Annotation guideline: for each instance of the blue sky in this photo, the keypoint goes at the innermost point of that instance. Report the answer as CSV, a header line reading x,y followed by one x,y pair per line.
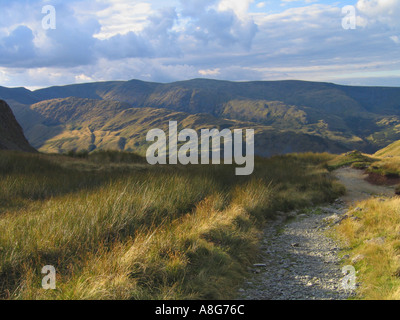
x,y
163,41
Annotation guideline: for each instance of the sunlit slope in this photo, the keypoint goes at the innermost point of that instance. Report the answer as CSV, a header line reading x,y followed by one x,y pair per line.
x,y
362,118
392,150
68,124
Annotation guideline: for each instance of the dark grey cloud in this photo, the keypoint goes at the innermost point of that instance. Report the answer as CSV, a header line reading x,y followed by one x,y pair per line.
x,y
71,44
17,48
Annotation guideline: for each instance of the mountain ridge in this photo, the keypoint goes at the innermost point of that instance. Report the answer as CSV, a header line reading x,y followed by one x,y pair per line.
x,y
365,118
84,124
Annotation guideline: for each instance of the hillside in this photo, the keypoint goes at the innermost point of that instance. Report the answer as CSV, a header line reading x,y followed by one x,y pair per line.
x,y
210,96
60,125
393,150
317,116
11,134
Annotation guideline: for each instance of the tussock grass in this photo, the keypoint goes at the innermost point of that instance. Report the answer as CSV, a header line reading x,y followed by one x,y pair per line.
x,y
356,159
132,231
389,167
374,236
107,156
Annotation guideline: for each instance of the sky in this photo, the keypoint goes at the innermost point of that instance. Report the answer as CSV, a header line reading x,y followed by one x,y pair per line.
x,y
164,41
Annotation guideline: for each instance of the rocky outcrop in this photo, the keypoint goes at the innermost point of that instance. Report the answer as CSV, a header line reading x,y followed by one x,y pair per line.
x,y
11,134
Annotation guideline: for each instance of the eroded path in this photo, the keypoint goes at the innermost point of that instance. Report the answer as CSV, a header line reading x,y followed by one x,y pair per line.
x,y
359,189
298,260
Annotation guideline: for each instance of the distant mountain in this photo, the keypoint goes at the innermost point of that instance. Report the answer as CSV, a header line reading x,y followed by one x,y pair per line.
x,y
210,96
11,134
19,95
60,125
311,116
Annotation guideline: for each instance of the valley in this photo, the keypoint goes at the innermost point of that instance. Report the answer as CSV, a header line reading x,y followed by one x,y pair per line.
x,y
287,116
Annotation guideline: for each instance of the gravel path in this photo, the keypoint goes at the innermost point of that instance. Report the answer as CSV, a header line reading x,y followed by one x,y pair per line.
x,y
299,261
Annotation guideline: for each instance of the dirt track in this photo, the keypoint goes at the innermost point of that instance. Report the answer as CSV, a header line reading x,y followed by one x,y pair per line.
x,y
358,188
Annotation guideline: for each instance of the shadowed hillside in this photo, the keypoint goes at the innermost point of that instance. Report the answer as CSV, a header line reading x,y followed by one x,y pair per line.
x,y
11,134
203,95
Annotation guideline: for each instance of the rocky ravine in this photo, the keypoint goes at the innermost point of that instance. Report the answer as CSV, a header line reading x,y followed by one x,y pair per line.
x,y
298,260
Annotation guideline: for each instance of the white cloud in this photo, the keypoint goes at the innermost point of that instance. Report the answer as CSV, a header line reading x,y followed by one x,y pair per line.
x,y
240,7
395,39
120,17
83,78
380,11
210,72
123,39
261,5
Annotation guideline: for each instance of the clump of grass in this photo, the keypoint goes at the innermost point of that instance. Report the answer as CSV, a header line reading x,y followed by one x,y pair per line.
x,y
373,237
116,157
356,159
107,156
360,165
154,233
389,168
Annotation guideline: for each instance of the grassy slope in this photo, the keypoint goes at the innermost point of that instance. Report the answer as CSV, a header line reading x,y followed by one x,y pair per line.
x,y
354,117
392,150
355,159
384,163
389,161
372,233
83,124
123,230
373,242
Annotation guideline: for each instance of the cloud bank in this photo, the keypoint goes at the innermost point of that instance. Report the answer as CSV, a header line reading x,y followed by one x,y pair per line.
x,y
235,40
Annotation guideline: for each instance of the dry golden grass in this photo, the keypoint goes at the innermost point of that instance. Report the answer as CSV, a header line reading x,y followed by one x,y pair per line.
x,y
387,166
375,237
138,232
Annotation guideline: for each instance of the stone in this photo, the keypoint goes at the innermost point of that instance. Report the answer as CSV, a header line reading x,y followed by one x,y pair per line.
x,y
378,241
357,258
260,265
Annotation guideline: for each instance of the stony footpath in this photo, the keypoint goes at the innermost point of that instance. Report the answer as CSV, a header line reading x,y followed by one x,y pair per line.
x,y
298,260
